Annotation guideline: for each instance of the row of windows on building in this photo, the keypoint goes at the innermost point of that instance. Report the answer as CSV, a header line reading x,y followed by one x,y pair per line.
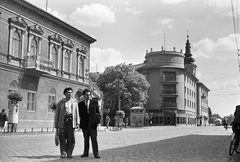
x,y
170,120
171,76
189,91
190,104
31,96
190,81
57,47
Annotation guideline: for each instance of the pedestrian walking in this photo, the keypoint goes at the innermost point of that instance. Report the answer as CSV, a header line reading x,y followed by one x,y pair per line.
x,y
88,110
66,120
236,120
107,121
3,119
126,122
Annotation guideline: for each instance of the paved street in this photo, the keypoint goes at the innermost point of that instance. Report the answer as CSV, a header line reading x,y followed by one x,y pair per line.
x,y
160,144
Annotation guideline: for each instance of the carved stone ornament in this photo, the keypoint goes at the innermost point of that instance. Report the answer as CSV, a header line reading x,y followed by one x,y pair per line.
x,y
9,58
18,21
83,50
68,43
55,38
36,29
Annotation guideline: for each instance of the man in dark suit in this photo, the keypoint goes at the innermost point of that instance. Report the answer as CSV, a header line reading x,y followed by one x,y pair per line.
x,y
88,110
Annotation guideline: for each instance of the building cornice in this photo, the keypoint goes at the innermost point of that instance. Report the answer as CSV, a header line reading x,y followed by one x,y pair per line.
x,y
41,14
203,86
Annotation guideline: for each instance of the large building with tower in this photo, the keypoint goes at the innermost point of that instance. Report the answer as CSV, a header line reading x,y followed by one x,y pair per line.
x,y
40,55
176,96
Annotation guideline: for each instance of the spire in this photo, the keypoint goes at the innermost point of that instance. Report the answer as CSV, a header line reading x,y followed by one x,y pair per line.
x,y
188,55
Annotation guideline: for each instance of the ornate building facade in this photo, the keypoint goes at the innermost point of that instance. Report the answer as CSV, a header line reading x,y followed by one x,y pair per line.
x,y
40,55
176,97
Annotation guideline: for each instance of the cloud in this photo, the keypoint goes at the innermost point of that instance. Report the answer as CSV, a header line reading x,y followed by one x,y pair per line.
x,y
172,1
156,32
219,3
93,15
199,75
223,49
164,21
223,7
101,58
132,11
56,13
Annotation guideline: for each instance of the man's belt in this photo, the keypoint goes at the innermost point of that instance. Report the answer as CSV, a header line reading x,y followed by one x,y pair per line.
x,y
68,117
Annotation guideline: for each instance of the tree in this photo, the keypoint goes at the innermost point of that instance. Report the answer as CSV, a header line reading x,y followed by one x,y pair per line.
x,y
230,119
94,76
211,119
124,81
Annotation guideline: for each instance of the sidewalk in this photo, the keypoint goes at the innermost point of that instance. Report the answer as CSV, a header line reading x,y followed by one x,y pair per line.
x,y
160,144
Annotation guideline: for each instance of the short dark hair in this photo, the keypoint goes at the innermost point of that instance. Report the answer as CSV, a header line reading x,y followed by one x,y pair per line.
x,y
3,110
67,89
238,106
85,91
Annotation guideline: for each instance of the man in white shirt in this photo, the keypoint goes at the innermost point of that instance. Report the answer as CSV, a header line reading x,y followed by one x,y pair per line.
x,y
66,120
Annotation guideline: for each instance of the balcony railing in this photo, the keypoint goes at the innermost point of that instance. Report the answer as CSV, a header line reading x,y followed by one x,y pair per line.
x,y
169,91
39,64
168,79
169,104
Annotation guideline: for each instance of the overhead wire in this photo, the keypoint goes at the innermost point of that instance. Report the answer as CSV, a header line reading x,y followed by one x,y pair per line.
x,y
235,26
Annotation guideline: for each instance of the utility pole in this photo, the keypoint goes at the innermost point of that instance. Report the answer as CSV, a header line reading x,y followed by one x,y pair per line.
x,y
118,95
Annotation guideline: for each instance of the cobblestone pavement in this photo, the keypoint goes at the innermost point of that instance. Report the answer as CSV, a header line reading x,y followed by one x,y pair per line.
x,y
153,144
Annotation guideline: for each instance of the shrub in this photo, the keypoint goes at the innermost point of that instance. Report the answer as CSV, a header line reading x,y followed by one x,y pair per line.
x,y
53,106
120,113
16,96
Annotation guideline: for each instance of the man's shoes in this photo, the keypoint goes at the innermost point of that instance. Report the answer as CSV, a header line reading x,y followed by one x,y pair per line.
x,y
63,155
84,155
97,157
69,156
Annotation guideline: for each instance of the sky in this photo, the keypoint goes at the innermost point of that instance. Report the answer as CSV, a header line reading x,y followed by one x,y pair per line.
x,y
126,29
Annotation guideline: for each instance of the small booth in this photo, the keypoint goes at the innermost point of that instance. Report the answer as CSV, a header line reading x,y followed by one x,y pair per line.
x,y
137,117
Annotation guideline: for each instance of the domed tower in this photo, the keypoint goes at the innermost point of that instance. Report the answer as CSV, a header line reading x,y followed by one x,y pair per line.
x,y
189,60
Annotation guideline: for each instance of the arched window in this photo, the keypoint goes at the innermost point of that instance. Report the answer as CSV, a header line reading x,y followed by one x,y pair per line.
x,y
16,44
34,47
31,98
54,57
67,61
51,98
13,86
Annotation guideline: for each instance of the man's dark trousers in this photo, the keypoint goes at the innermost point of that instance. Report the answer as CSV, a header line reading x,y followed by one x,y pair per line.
x,y
90,133
67,136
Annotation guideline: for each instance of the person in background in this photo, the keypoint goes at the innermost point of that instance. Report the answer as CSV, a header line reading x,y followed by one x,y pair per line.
x,y
225,123
236,121
107,121
126,122
88,109
66,120
3,119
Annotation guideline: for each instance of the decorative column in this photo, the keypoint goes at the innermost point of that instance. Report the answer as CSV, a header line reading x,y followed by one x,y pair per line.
x,y
13,115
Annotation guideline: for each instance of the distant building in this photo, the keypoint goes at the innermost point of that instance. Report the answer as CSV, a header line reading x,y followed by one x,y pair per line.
x,y
176,97
40,55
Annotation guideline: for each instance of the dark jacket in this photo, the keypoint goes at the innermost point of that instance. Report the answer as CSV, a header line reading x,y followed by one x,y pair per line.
x,y
88,118
237,115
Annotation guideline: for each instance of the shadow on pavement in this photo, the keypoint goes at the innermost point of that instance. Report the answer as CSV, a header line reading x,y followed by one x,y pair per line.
x,y
192,148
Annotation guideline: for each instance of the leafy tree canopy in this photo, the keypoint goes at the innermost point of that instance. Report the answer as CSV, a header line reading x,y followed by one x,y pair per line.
x,y
133,88
94,76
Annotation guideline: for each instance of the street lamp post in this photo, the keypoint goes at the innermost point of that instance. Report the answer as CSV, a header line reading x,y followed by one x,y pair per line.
x,y
118,95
